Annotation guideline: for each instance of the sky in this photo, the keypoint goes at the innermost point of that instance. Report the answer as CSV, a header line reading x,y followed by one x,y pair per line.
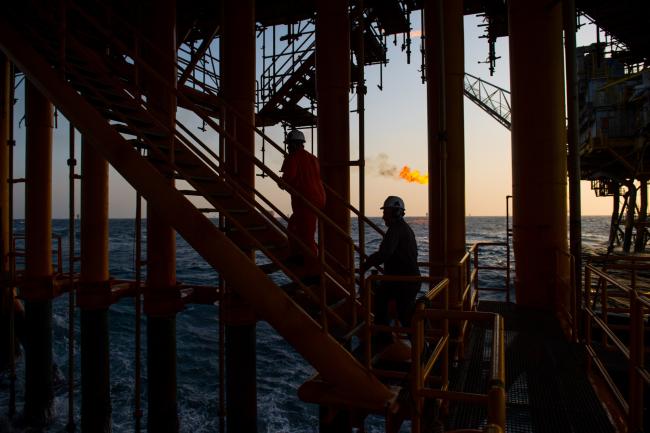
x,y
395,120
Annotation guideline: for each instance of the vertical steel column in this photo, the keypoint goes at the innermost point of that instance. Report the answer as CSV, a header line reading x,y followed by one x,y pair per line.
x,y
629,217
37,289
538,148
613,225
161,299
238,85
6,294
436,134
361,113
575,212
333,135
454,76
95,368
639,244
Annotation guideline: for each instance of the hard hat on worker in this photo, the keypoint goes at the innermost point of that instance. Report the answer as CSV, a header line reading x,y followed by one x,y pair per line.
x,y
393,202
295,136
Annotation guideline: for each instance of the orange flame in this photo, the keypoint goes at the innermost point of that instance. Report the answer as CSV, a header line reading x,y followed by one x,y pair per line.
x,y
413,176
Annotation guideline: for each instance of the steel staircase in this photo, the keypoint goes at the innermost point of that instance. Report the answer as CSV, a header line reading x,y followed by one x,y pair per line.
x,y
290,77
90,88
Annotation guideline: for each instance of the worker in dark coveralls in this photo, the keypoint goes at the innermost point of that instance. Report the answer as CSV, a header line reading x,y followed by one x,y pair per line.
x,y
398,253
301,171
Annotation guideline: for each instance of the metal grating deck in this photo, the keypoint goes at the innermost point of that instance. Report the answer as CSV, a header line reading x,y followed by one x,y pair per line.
x,y
547,388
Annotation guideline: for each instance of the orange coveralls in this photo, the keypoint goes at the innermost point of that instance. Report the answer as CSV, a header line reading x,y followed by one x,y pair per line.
x,y
301,171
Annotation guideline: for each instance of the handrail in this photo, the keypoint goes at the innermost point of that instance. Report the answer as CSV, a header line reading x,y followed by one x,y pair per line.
x,y
438,286
330,191
257,130
494,398
327,271
633,352
15,252
221,130
475,249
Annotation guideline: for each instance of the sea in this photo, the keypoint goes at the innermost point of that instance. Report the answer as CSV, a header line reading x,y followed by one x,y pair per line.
x,y
280,369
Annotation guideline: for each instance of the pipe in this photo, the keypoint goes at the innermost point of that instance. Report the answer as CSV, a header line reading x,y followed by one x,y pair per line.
x,y
454,67
238,86
575,212
361,108
39,391
7,352
95,367
333,134
137,410
72,162
436,134
161,296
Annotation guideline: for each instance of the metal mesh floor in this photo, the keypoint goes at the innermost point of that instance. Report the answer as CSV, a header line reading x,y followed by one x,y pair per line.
x,y
547,388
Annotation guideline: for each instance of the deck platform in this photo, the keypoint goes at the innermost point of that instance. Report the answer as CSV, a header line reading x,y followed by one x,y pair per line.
x,y
546,382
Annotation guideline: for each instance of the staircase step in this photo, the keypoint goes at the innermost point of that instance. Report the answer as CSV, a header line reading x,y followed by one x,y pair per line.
x,y
208,210
126,129
177,162
206,179
248,229
192,192
269,268
110,104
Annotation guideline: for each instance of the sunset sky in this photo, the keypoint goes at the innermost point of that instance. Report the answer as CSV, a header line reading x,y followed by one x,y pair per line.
x,y
395,121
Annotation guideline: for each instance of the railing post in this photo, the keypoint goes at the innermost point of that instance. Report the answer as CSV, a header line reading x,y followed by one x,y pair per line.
x,y
368,307
497,393
417,381
323,285
476,268
604,309
445,335
574,299
353,287
587,308
635,417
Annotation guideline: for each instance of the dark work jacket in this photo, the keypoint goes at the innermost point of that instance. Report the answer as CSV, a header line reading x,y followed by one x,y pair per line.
x,y
398,251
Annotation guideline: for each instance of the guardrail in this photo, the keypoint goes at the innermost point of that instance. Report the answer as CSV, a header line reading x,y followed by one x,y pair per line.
x,y
494,398
475,250
57,252
609,291
437,340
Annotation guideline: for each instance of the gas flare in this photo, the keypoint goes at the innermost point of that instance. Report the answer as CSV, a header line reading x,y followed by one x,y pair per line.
x,y
413,176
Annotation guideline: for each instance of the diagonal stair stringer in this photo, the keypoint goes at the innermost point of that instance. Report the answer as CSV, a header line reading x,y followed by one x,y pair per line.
x,y
335,364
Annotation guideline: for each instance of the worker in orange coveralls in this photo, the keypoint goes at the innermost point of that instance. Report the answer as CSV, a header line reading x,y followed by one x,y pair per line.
x,y
301,171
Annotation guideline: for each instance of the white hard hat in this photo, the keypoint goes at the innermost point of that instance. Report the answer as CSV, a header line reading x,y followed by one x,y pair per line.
x,y
393,202
295,135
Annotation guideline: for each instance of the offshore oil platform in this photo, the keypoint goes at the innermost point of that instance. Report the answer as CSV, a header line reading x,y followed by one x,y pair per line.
x,y
568,355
